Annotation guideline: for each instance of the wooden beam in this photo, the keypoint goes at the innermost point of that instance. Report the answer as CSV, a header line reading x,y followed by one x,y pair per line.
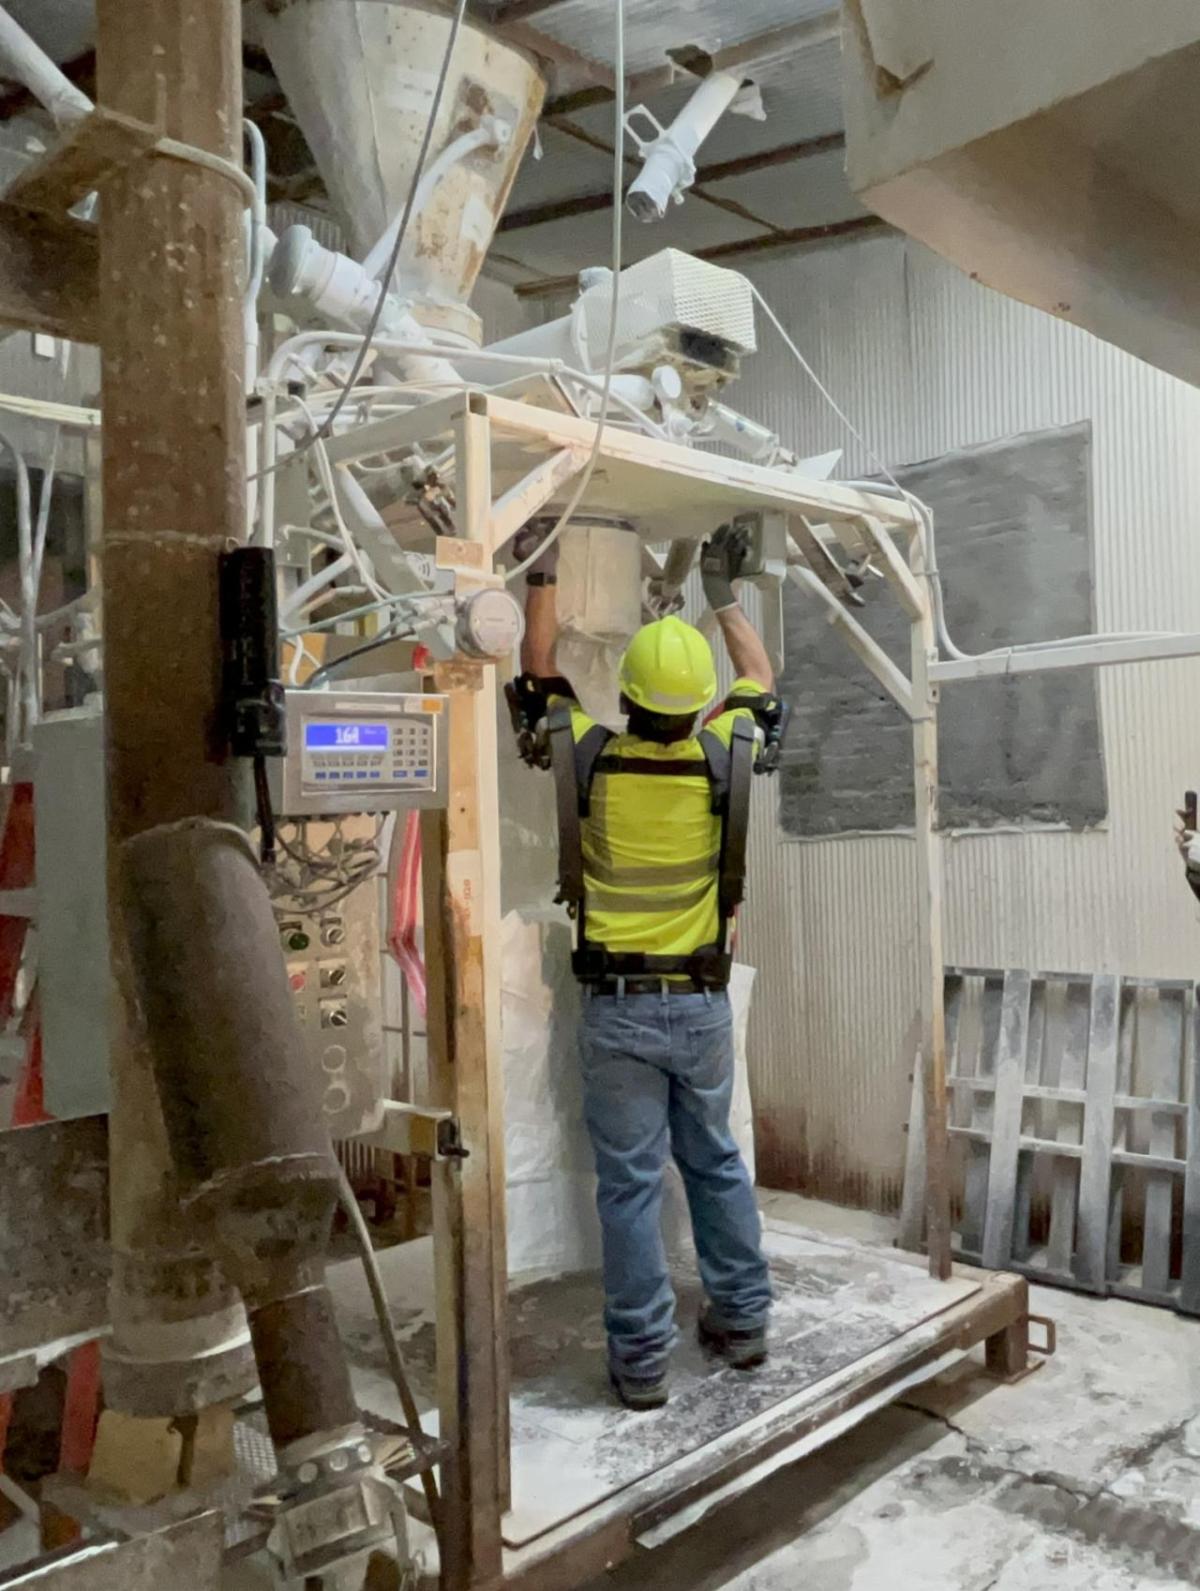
x,y
793,237
81,161
931,968
49,275
859,640
520,10
751,54
603,199
591,1543
780,155
461,865
825,501
720,171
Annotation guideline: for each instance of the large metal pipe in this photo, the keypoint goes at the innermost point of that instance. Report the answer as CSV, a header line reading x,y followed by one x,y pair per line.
x,y
242,1106
205,989
173,468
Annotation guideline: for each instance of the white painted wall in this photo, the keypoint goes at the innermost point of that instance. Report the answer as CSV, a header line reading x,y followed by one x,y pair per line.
x,y
927,361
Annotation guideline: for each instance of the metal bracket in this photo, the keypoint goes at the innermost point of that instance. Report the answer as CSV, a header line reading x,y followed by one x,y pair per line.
x,y
1049,1347
417,1130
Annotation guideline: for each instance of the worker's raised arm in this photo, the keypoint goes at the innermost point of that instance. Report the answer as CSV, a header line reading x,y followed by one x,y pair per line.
x,y
720,564
541,603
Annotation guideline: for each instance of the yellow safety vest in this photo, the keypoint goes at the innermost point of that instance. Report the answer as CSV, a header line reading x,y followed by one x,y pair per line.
x,y
651,844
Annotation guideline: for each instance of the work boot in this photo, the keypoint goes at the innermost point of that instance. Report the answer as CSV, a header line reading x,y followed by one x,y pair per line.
x,y
640,1393
743,1347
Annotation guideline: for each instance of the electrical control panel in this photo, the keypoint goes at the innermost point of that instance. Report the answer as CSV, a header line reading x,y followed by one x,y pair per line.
x,y
361,751
334,967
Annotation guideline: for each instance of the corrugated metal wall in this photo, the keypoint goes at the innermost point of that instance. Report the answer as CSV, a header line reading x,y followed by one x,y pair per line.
x,y
925,361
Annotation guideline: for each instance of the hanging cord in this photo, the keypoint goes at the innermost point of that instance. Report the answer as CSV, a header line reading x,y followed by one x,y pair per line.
x,y
385,280
610,356
391,1347
925,515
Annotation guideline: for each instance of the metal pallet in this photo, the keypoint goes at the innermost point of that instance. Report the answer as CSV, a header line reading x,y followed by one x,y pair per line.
x,y
1074,1120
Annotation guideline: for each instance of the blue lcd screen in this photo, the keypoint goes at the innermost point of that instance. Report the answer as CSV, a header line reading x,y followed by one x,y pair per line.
x,y
317,737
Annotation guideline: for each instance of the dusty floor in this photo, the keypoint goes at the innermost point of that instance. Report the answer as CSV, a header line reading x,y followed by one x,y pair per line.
x,y
1086,1475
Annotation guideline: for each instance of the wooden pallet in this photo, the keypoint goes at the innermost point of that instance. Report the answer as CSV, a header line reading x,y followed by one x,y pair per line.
x,y
1074,1109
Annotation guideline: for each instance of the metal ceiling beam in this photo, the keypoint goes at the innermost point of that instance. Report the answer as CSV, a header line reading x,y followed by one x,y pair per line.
x,y
793,237
572,129
780,155
751,55
520,10
588,203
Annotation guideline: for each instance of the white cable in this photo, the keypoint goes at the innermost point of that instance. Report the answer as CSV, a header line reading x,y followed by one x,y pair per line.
x,y
610,357
325,471
26,670
478,138
367,340
29,64
925,514
313,587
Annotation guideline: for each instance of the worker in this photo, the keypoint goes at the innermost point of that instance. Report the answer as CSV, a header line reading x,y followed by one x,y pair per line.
x,y
1187,838
652,828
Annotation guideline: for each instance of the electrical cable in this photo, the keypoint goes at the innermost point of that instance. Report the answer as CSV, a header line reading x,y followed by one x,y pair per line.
x,y
925,514
372,645
385,281
610,357
353,614
266,813
391,1347
325,471
317,881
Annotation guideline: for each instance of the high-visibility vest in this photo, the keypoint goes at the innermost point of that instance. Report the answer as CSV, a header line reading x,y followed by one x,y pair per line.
x,y
652,845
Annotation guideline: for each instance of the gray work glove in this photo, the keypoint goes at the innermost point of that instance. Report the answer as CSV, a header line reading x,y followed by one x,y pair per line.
x,y
721,561
528,540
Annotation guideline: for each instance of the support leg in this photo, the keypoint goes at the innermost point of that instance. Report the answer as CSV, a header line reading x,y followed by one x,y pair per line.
x,y
931,957
1008,1350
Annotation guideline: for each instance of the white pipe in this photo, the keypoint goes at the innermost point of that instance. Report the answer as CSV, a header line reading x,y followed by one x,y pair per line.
x,y
341,289
29,64
669,166
491,132
751,437
258,265
303,595
27,658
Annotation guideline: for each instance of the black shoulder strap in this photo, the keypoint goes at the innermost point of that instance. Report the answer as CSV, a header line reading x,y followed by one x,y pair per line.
x,y
588,751
735,826
718,761
573,763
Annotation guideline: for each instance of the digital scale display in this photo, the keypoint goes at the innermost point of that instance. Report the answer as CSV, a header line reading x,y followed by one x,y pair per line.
x,y
318,736
362,751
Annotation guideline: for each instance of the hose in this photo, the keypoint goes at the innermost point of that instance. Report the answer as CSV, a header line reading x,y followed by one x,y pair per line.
x,y
391,1344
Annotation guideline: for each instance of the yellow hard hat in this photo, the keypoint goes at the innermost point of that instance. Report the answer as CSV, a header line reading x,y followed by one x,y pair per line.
x,y
668,668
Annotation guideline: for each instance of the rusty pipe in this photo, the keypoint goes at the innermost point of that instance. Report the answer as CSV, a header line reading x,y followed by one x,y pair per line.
x,y
241,1105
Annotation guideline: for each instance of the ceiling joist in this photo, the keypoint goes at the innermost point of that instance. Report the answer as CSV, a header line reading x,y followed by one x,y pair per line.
x,y
719,171
720,253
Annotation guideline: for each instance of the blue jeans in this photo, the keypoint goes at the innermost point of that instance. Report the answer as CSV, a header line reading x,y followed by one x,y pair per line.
x,y
658,1079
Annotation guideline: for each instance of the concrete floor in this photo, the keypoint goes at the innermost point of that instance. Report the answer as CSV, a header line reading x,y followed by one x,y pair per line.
x,y
1085,1475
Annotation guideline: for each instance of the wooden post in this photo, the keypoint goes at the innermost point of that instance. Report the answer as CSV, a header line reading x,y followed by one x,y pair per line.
x,y
461,855
930,953
171,266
